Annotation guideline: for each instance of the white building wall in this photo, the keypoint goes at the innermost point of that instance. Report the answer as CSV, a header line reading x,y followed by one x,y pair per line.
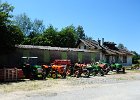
x,y
101,56
81,45
129,61
120,59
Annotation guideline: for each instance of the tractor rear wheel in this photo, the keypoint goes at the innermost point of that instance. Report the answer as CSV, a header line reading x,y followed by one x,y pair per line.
x,y
117,70
102,72
123,70
87,73
94,72
63,75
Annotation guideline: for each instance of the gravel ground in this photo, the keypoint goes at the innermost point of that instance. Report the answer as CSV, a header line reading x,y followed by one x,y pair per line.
x,y
29,90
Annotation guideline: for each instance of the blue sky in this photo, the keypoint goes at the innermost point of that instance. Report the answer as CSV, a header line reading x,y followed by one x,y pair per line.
x,y
115,20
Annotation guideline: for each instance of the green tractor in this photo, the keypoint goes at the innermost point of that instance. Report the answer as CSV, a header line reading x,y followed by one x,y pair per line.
x,y
95,69
31,69
117,67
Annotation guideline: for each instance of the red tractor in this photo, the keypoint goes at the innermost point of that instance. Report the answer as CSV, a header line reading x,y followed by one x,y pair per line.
x,y
60,67
80,69
105,67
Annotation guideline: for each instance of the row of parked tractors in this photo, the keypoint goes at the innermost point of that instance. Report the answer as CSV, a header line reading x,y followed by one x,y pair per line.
x,y
63,68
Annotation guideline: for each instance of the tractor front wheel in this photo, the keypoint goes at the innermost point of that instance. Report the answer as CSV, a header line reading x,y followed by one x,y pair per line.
x,y
54,75
68,73
77,74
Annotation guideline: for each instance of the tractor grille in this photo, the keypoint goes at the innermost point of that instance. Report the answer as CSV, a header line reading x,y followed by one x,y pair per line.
x,y
39,70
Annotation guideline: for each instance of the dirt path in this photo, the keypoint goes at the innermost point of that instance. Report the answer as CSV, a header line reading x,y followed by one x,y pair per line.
x,y
93,88
117,91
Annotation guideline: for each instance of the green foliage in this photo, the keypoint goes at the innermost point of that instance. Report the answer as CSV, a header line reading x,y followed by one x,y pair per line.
x,y
40,40
88,38
24,23
28,26
5,15
36,34
136,57
68,37
80,32
9,34
121,46
51,34
38,26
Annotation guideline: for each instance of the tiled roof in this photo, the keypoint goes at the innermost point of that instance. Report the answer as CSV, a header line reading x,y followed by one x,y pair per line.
x,y
91,44
108,51
116,51
126,51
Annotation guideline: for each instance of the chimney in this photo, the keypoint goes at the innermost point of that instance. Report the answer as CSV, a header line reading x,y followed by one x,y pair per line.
x,y
102,41
99,41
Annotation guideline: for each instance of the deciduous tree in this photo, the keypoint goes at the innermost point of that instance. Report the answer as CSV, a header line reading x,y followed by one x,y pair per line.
x,y
9,34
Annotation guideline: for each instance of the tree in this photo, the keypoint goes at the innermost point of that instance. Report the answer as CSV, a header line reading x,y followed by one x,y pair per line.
x,y
28,26
80,32
31,29
5,10
24,23
135,58
51,34
9,34
121,46
38,26
40,40
68,37
88,38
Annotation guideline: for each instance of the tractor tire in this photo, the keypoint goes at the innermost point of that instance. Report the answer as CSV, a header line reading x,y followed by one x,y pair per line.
x,y
68,73
94,72
102,73
54,75
111,69
123,70
117,70
64,75
77,74
87,73
32,77
106,71
44,75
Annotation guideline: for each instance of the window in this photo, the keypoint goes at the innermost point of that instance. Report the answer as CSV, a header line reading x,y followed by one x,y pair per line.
x,y
107,59
124,59
116,59
85,47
